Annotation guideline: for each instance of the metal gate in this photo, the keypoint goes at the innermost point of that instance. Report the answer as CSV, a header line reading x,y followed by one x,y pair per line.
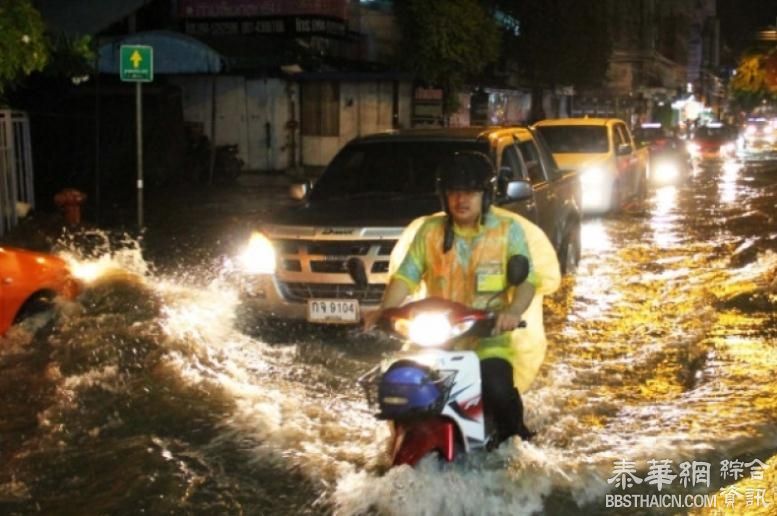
x,y
16,174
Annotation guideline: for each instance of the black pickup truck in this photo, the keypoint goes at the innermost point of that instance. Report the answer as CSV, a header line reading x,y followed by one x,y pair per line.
x,y
296,266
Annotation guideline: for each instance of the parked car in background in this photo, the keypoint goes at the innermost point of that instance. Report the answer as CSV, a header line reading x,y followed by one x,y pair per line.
x,y
714,141
29,282
668,159
295,266
613,169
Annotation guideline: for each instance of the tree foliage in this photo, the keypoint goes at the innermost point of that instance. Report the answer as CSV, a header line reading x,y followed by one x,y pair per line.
x,y
23,45
27,47
755,79
445,43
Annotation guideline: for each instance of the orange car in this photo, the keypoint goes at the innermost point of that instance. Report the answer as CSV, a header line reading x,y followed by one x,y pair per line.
x,y
29,282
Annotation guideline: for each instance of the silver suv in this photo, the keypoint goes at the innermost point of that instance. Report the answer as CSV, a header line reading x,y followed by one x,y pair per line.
x,y
295,265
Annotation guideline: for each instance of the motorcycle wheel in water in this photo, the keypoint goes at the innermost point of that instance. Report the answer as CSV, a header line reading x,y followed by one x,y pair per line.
x,y
430,393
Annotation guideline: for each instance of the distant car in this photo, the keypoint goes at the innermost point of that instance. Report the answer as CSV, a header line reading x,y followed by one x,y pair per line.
x,y
612,168
669,161
712,142
29,282
758,134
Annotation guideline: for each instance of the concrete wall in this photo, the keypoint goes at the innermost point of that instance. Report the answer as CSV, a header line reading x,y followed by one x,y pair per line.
x,y
365,108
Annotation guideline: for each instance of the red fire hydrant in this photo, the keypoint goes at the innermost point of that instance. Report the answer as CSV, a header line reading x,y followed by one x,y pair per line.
x,y
69,201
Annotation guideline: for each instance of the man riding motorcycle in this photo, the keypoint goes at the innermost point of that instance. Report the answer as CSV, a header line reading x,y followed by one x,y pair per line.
x,y
461,255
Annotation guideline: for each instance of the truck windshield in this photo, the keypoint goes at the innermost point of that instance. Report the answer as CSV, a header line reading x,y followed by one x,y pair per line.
x,y
387,169
575,138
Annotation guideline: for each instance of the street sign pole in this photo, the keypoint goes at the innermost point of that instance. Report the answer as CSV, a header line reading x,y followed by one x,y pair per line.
x,y
137,65
139,122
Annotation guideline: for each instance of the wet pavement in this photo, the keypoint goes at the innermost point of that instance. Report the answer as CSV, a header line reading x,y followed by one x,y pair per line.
x,y
143,396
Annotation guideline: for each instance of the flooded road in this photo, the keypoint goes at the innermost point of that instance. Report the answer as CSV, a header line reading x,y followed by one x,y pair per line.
x,y
143,397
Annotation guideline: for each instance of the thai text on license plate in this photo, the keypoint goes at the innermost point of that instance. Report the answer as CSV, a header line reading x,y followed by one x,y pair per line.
x,y
333,310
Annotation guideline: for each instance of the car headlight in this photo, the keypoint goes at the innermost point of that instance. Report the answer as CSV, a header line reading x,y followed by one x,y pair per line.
x,y
666,172
258,256
593,176
692,148
728,148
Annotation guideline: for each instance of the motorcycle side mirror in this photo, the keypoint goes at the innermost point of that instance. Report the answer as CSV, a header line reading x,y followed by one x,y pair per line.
x,y
517,269
356,270
517,272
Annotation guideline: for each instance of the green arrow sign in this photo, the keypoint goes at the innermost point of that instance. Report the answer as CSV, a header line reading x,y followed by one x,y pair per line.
x,y
136,63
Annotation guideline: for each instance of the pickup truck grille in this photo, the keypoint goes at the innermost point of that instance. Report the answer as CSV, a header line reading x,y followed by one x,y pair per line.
x,y
330,257
315,262
330,248
301,292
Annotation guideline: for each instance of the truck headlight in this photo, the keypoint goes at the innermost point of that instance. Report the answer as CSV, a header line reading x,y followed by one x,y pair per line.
x,y
258,256
593,176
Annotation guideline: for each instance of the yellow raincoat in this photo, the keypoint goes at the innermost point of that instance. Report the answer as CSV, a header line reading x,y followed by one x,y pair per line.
x,y
458,275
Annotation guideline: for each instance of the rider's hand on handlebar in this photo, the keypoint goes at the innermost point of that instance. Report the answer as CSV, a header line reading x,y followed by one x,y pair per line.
x,y
370,319
506,321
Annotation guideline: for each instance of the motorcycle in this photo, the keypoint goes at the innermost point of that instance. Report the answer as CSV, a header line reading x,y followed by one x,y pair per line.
x,y
430,392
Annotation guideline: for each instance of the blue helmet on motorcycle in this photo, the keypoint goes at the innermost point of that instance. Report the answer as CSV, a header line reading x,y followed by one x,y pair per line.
x,y
408,389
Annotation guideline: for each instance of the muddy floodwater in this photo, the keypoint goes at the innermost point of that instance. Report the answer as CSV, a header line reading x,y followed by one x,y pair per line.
x,y
144,396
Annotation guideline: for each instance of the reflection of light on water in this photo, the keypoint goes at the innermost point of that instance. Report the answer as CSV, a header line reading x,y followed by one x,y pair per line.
x,y
662,221
728,181
205,315
89,269
595,237
666,199
594,285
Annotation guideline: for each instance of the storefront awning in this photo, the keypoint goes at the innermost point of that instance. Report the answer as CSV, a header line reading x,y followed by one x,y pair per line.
x,y
174,53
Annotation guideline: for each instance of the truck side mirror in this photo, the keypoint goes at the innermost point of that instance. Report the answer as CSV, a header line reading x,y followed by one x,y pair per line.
x,y
519,190
624,149
298,191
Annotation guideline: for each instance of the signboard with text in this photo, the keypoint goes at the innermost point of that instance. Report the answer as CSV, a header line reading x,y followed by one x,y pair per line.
x,y
136,63
290,26
258,8
427,107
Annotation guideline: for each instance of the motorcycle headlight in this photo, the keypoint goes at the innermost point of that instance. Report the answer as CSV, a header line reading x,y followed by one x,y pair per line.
x,y
593,175
693,148
434,329
258,256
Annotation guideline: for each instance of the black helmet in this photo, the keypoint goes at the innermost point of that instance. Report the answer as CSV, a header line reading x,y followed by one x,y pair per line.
x,y
467,170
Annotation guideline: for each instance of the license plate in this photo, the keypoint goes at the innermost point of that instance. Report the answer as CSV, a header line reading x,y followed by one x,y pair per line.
x,y
333,311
